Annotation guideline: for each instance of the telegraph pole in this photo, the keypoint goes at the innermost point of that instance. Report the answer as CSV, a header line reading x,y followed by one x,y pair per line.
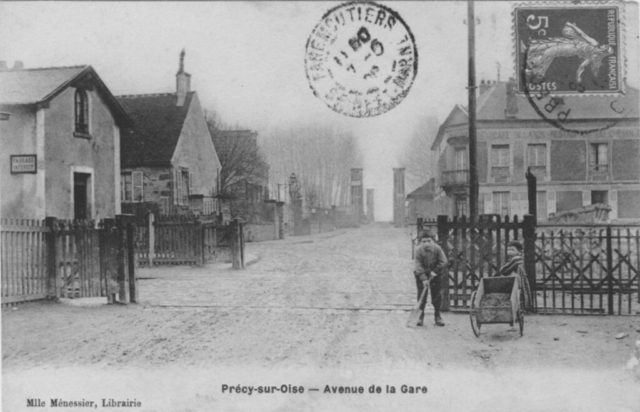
x,y
473,146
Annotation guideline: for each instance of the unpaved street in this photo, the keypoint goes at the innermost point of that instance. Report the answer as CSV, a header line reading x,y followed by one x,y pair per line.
x,y
328,309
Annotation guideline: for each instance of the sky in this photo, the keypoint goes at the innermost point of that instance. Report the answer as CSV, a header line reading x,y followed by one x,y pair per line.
x,y
246,60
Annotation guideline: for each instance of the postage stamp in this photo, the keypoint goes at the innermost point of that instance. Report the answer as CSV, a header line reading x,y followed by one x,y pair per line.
x,y
569,48
361,59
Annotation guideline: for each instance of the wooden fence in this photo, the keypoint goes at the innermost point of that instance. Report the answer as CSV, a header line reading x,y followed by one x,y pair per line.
x,y
187,240
67,259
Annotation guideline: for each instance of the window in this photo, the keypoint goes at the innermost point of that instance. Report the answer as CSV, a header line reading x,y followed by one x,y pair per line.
x,y
81,112
500,160
598,158
185,186
165,205
501,203
541,206
537,158
461,159
599,196
461,206
131,184
182,187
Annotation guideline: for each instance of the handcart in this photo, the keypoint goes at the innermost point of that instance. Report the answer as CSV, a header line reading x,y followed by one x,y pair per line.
x,y
497,300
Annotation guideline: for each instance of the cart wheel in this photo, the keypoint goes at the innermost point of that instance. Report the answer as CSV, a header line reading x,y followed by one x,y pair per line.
x,y
521,321
475,325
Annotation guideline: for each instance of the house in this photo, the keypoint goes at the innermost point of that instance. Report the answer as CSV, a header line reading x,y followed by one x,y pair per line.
x,y
420,202
60,139
244,179
592,159
168,161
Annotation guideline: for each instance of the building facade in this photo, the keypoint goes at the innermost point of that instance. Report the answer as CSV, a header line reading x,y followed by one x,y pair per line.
x,y
60,138
169,163
591,156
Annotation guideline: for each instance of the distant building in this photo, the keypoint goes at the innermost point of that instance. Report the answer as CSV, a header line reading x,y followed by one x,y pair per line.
x,y
420,202
60,138
572,169
169,163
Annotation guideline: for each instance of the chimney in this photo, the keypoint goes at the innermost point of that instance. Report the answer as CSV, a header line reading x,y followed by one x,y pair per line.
x,y
484,86
3,65
512,99
183,81
18,65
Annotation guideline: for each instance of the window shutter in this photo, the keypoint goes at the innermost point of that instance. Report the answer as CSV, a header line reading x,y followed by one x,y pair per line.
x,y
122,198
488,203
178,186
602,154
190,183
592,154
137,183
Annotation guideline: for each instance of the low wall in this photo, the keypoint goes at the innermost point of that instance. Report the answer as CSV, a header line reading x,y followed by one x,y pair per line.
x,y
259,233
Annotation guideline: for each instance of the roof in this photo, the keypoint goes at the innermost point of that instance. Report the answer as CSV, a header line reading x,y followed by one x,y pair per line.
x,y
491,107
158,124
426,190
34,86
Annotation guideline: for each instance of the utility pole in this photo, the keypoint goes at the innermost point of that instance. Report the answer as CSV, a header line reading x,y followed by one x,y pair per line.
x,y
473,147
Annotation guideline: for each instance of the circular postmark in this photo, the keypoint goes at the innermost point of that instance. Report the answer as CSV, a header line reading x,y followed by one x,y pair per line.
x,y
361,59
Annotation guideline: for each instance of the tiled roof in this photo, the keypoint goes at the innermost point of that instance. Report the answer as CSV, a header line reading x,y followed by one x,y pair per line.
x,y
158,123
35,85
491,106
582,107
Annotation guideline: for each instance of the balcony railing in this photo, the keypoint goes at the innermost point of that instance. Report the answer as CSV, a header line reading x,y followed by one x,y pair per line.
x,y
455,177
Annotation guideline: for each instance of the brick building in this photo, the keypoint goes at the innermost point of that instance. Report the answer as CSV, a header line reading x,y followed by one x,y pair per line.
x,y
599,165
169,163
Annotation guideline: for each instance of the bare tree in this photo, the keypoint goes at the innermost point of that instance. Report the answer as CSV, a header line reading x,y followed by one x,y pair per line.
x,y
417,153
241,161
320,156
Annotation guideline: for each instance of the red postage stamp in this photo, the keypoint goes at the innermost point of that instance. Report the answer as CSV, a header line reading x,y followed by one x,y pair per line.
x,y
569,48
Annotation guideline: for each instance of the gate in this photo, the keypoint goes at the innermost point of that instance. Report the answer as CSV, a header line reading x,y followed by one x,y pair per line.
x,y
185,240
588,269
67,259
476,248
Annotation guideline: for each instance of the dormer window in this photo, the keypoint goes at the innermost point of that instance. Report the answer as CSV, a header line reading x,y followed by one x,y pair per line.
x,y
81,113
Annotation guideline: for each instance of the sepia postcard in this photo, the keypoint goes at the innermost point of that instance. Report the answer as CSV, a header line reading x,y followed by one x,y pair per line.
x,y
320,205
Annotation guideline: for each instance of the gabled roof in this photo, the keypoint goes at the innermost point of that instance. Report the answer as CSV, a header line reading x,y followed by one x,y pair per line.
x,y
491,107
40,86
158,124
426,190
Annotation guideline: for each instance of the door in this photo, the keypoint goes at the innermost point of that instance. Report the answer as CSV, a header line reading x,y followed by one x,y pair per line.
x,y
81,203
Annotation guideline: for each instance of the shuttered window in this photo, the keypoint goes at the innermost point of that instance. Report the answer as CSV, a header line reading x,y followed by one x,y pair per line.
x,y
132,186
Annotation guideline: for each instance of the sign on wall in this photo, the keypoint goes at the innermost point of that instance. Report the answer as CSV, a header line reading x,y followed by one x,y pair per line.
x,y
24,164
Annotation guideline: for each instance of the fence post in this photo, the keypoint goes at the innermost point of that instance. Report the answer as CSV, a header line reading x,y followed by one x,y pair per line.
x,y
151,241
52,259
241,244
131,261
609,272
109,251
443,240
199,249
235,244
123,286
529,234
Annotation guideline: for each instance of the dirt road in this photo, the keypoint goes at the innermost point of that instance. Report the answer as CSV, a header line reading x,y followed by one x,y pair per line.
x,y
317,311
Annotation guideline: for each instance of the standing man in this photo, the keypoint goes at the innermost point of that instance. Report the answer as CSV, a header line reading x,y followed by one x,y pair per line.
x,y
430,264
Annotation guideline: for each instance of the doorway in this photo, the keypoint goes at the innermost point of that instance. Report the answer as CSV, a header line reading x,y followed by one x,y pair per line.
x,y
81,197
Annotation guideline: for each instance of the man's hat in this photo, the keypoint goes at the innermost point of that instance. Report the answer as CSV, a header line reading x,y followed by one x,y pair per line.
x,y
427,233
516,244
